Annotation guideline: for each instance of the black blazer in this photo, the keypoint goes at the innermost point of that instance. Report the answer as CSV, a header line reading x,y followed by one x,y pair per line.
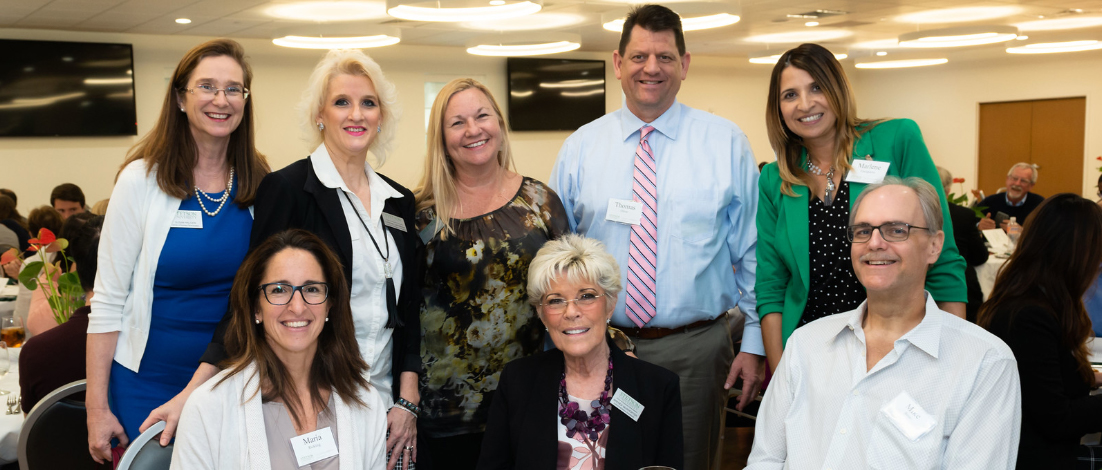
x,y
971,248
294,198
521,430
1057,408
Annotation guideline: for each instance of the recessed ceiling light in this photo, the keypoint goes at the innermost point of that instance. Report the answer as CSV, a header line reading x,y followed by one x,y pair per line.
x,y
328,11
694,16
517,44
772,58
497,2
1054,47
531,22
336,36
443,11
896,64
817,35
183,20
879,44
1061,23
959,15
811,23
958,37
881,53
1022,38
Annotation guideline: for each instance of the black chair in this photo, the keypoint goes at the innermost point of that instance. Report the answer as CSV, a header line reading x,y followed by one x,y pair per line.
x,y
146,453
55,433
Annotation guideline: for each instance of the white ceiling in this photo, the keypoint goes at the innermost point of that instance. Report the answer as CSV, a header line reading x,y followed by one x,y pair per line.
x,y
865,20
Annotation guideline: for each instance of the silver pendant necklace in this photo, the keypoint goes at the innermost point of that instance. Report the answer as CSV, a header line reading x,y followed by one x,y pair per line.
x,y
814,169
200,194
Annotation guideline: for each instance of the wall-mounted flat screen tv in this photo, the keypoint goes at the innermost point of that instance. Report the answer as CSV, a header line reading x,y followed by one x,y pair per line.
x,y
555,94
50,88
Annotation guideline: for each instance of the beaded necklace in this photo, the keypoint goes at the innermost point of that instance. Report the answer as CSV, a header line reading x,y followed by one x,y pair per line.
x,y
814,169
221,201
576,420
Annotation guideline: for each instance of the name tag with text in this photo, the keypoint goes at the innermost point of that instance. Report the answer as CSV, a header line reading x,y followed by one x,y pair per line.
x,y
187,219
908,416
624,211
868,171
314,446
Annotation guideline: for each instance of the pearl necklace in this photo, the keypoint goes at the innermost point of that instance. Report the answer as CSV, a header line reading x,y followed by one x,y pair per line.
x,y
199,195
814,169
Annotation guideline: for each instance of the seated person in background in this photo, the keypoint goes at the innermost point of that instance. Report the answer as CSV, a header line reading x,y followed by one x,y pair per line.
x,y
44,217
10,218
33,306
969,244
295,371
100,208
15,200
1017,201
68,199
573,282
905,385
1037,308
56,357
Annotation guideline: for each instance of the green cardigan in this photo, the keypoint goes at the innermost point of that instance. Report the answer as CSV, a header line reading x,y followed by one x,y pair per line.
x,y
783,251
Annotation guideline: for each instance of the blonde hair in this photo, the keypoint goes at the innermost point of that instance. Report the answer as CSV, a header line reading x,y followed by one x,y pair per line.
x,y
437,187
828,74
350,62
576,259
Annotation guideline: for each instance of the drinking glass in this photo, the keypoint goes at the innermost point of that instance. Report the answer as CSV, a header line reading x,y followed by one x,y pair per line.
x,y
12,331
5,364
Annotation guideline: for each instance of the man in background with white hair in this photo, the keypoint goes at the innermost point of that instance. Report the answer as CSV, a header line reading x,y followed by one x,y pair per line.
x,y
1017,201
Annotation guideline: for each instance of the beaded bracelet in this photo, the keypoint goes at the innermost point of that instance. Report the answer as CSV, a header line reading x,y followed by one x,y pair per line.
x,y
403,409
409,406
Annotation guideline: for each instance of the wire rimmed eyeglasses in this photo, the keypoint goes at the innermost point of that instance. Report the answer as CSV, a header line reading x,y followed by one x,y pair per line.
x,y
279,293
210,91
891,231
557,305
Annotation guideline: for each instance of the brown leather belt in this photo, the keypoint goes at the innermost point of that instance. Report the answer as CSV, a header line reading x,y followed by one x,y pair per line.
x,y
656,333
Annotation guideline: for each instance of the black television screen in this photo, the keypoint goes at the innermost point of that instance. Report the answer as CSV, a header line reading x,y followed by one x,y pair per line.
x,y
555,94
51,88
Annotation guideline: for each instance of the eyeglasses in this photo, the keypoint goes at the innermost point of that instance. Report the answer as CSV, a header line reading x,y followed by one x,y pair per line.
x,y
278,293
891,231
210,91
557,305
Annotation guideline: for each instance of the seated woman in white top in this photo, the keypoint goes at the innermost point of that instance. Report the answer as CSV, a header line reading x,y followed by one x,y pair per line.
x,y
295,393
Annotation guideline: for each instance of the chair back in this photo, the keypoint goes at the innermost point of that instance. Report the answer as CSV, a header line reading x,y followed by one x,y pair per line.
x,y
146,453
55,433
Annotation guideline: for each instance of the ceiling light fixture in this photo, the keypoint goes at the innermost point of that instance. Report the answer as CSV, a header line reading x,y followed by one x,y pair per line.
x,y
528,23
1022,38
896,64
1055,47
959,15
958,37
799,37
183,21
328,11
337,37
514,45
497,2
881,53
1074,22
771,57
695,16
811,23
458,11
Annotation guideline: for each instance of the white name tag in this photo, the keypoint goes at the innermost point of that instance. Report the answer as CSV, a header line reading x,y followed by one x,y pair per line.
x,y
314,446
908,416
393,221
624,402
624,211
188,219
868,172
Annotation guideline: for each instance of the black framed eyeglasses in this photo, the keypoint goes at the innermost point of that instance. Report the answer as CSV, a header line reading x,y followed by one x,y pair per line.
x,y
557,305
891,231
279,293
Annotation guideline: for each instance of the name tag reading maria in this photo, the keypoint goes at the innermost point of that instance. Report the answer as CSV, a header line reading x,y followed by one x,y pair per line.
x,y
908,416
187,219
868,171
314,446
624,211
624,402
393,221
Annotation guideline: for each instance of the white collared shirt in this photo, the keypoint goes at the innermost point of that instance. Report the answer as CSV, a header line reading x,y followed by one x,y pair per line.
x,y
823,409
368,297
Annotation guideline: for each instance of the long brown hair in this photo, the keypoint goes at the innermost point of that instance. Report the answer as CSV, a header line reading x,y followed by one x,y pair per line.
x,y
337,364
828,74
171,148
1056,261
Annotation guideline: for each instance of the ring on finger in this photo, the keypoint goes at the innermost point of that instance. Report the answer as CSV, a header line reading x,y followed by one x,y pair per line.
x,y
409,447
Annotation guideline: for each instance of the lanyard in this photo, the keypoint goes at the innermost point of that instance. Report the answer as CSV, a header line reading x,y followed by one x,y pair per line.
x,y
391,296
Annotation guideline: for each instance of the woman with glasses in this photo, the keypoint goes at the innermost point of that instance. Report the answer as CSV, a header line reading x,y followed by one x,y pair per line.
x,y
825,157
297,376
175,233
613,411
481,223
1036,307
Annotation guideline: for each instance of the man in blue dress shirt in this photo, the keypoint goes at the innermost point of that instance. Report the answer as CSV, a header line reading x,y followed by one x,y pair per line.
x,y
672,192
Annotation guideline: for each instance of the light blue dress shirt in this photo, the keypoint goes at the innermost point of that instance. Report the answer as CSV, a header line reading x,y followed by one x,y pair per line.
x,y
707,205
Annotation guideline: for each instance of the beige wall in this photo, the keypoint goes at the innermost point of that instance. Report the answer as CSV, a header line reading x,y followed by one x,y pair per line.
x,y
944,100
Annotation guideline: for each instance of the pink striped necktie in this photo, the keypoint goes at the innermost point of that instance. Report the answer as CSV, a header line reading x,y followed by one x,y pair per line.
x,y
643,251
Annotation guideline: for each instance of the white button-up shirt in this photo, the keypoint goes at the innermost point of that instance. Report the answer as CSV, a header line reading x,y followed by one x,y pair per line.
x,y
368,297
824,410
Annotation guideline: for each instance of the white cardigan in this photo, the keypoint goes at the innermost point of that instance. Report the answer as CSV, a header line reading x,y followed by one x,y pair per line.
x,y
223,428
134,231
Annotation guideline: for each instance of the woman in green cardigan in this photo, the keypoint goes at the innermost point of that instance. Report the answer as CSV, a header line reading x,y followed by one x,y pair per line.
x,y
804,266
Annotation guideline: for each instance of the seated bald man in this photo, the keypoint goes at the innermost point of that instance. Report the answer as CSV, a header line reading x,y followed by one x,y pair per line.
x,y
895,383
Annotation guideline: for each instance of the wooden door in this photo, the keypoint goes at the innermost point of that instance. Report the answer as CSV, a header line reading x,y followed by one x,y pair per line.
x,y
1047,133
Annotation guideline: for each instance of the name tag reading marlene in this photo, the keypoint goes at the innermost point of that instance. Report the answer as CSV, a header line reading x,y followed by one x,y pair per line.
x,y
624,211
187,219
624,402
314,446
393,221
908,416
868,171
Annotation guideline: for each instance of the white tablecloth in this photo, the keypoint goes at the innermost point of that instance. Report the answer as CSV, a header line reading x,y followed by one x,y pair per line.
x,y
10,425
987,272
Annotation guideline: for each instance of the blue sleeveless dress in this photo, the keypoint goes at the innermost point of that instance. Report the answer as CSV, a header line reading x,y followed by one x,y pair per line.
x,y
190,294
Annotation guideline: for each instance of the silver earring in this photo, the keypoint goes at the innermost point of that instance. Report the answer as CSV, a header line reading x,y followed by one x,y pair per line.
x,y
609,321
257,320
326,319
378,128
182,110
321,127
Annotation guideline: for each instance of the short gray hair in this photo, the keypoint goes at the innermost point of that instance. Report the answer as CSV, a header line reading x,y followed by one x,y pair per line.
x,y
946,179
1032,179
575,258
927,198
350,62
